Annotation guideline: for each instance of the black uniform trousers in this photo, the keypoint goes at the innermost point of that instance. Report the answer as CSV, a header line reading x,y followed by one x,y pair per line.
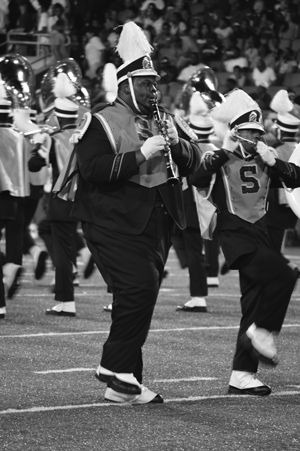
x,y
212,251
267,283
132,266
63,237
196,261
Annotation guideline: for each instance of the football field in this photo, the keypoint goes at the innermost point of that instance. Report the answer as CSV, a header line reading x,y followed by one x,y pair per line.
x,y
50,399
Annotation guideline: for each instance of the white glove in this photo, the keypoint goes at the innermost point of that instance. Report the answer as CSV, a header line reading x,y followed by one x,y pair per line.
x,y
172,133
44,140
230,143
152,145
266,154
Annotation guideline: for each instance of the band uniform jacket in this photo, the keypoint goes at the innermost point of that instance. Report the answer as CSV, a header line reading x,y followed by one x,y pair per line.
x,y
279,214
58,210
112,190
240,194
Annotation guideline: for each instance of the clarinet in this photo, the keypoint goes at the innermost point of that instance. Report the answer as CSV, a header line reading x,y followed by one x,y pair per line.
x,y
172,180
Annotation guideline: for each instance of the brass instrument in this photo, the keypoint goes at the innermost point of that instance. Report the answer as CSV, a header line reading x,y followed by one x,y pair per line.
x,y
204,81
162,129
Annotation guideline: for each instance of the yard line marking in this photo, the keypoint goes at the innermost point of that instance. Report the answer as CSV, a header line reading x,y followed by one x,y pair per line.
x,y
166,381
93,332
107,404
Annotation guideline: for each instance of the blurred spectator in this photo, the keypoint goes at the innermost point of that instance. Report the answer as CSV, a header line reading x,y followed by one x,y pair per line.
x,y
223,30
111,19
178,6
151,16
214,11
178,26
233,57
27,20
195,63
231,84
13,14
188,46
261,96
166,71
242,32
94,52
262,74
58,41
265,53
167,45
251,50
239,76
208,42
265,31
58,13
128,13
285,65
288,32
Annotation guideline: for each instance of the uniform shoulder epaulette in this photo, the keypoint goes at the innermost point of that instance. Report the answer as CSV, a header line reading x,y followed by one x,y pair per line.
x,y
81,128
100,106
185,127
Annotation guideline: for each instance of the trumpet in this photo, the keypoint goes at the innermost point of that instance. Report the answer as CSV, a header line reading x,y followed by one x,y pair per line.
x,y
172,180
49,130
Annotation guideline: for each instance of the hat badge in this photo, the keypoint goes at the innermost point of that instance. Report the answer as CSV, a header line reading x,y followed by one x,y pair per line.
x,y
253,116
147,62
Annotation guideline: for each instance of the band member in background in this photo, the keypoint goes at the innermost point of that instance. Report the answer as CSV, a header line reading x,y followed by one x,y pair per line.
x,y
244,167
63,226
13,187
280,216
202,125
128,209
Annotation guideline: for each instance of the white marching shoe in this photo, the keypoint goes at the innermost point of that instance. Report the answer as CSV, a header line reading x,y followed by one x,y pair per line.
x,y
261,343
246,383
63,309
145,397
196,304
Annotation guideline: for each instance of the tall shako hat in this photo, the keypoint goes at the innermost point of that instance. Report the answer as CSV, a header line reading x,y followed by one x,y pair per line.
x,y
134,49
239,111
282,105
5,103
64,88
199,119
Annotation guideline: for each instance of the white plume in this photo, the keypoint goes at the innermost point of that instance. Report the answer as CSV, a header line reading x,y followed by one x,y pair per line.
x,y
110,82
281,102
236,103
133,43
197,104
63,86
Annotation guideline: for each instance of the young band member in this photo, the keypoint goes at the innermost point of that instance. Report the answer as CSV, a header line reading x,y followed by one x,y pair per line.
x,y
244,169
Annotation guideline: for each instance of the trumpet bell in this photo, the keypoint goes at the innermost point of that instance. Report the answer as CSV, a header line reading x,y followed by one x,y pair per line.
x,y
19,79
205,81
293,197
70,67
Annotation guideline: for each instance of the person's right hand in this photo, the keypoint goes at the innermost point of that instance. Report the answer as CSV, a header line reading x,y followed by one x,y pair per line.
x,y
152,145
230,143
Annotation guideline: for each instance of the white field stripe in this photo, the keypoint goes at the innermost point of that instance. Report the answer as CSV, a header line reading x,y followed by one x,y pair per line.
x,y
107,404
212,294
97,332
165,381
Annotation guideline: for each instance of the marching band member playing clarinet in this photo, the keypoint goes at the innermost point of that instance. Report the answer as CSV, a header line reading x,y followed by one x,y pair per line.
x,y
127,209
244,168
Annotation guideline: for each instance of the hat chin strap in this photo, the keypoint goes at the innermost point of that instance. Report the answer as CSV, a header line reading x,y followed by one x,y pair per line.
x,y
132,91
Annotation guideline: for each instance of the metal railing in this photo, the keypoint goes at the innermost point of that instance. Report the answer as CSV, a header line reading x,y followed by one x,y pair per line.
x,y
35,46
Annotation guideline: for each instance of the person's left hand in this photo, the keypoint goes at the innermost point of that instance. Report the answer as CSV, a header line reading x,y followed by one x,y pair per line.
x,y
172,133
266,154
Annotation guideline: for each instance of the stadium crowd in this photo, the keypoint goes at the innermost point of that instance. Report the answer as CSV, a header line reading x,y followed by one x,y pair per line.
x,y
253,44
